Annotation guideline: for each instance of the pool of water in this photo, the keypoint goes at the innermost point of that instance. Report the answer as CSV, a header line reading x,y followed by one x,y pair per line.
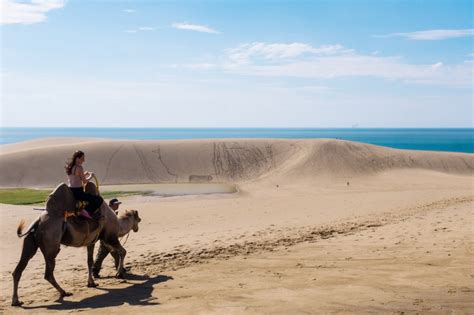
x,y
168,190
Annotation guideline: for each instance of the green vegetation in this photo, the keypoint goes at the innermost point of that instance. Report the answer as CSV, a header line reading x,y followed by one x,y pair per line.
x,y
25,196
22,196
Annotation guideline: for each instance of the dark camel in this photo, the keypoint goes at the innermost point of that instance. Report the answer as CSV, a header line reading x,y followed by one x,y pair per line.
x,y
51,230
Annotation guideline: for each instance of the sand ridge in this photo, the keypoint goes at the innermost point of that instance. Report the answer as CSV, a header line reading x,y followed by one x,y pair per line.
x,y
41,163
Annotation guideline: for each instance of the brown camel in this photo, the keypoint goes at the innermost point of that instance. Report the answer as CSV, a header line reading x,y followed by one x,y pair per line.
x,y
51,229
127,221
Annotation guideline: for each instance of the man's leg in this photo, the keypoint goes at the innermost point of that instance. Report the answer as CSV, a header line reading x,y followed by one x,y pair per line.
x,y
101,254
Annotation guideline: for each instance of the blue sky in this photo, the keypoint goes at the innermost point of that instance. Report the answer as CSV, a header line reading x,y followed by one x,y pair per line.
x,y
236,63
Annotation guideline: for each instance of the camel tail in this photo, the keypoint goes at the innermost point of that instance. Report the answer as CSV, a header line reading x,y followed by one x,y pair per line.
x,y
21,226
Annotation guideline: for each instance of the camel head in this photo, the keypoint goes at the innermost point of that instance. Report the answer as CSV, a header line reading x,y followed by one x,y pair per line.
x,y
136,219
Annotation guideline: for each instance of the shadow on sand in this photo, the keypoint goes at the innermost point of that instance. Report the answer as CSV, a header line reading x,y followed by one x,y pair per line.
x,y
136,294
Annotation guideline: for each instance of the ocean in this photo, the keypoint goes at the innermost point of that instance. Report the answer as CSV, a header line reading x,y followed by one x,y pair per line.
x,y
453,140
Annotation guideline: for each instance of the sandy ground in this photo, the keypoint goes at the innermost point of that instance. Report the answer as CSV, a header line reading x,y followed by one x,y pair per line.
x,y
399,240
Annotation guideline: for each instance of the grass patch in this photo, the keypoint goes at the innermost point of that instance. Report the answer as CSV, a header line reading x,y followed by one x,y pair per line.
x,y
25,196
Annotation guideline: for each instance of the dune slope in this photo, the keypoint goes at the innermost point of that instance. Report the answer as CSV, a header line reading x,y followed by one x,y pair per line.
x,y
40,163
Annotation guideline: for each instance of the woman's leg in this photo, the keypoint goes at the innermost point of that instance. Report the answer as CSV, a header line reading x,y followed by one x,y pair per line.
x,y
78,193
94,202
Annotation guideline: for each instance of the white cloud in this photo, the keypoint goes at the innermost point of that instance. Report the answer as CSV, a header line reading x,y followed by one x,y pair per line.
x,y
34,11
312,89
432,34
243,103
129,10
141,29
202,66
361,65
332,61
195,27
272,52
194,66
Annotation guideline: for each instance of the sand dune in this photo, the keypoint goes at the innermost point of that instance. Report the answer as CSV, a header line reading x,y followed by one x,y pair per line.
x,y
40,162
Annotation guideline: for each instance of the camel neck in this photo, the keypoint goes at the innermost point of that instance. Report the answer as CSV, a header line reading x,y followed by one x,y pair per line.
x,y
125,225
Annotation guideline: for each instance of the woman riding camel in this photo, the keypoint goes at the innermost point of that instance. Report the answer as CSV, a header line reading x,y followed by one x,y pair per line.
x,y
76,179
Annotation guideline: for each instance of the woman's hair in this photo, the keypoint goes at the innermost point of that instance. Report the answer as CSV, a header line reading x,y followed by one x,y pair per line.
x,y
70,164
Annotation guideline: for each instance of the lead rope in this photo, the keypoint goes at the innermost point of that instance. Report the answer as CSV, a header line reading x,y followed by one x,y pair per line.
x,y
96,183
126,239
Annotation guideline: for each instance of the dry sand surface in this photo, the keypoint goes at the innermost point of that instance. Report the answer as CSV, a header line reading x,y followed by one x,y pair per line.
x,y
317,226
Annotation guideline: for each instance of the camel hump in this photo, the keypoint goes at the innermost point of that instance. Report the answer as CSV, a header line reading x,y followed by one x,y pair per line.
x,y
60,200
91,188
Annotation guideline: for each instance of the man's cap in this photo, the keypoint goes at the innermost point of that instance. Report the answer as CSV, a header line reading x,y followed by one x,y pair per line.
x,y
114,201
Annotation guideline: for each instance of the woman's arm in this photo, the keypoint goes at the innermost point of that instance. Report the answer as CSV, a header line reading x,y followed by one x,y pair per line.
x,y
88,175
82,175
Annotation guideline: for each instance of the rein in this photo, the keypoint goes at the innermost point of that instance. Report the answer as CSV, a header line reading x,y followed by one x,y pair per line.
x,y
126,236
96,183
126,239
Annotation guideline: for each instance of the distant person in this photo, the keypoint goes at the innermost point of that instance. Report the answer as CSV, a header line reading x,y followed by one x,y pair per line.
x,y
114,204
76,179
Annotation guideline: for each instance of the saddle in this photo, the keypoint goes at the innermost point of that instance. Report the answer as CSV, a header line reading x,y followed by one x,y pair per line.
x,y
80,206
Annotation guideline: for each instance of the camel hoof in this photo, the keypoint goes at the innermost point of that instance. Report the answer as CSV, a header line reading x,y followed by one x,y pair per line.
x,y
92,285
17,303
120,275
123,270
66,294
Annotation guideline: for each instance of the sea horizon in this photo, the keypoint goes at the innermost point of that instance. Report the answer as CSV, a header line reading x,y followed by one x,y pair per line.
x,y
431,139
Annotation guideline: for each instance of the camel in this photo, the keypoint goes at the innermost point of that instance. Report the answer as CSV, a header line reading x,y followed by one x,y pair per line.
x,y
52,229
127,221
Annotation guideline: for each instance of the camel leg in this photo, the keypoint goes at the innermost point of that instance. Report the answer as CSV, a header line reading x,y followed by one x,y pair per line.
x,y
116,249
117,261
101,254
120,268
90,262
50,260
29,250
